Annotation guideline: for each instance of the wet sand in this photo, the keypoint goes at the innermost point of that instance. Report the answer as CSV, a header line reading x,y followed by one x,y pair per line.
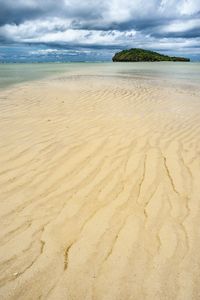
x,y
100,190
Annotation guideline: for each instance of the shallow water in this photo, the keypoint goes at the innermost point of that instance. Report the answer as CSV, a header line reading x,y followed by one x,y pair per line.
x,y
183,72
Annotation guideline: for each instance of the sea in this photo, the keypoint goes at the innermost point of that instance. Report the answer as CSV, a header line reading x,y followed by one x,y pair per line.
x,y
182,72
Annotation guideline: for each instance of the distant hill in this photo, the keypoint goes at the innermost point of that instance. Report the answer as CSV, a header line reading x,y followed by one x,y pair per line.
x,y
135,54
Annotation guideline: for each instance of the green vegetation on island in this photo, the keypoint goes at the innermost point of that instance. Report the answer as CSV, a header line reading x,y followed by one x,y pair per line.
x,y
135,54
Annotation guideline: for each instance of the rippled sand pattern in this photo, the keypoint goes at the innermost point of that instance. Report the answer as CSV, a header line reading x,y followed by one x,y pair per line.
x,y
100,190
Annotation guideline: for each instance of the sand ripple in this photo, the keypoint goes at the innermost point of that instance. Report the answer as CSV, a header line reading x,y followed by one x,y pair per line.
x,y
100,190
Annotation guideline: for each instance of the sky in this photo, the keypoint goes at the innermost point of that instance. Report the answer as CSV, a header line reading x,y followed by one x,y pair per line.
x,y
75,30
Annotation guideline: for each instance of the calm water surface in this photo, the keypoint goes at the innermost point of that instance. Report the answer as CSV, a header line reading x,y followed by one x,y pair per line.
x,y
183,72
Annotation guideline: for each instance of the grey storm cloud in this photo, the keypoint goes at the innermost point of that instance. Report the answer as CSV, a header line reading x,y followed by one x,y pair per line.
x,y
12,11
114,23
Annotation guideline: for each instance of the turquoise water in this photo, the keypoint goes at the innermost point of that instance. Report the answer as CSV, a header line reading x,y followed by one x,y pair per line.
x,y
184,72
17,73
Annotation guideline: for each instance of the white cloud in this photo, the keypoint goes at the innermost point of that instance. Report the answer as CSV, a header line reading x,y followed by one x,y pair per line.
x,y
59,31
189,7
181,26
120,23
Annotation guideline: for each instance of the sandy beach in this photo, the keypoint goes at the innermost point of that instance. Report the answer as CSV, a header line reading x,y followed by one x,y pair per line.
x,y
100,190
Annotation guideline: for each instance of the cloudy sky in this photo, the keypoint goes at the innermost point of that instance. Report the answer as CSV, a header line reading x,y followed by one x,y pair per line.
x,y
95,29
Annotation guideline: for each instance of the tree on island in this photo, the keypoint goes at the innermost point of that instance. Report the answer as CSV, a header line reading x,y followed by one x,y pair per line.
x,y
136,55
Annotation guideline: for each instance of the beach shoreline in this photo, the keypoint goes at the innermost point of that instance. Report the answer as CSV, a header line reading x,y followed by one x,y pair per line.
x,y
100,188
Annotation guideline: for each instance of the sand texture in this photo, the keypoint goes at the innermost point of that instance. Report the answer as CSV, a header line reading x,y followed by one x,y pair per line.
x,y
100,190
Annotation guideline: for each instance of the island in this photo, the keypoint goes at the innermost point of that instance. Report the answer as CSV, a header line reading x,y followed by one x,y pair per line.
x,y
138,55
